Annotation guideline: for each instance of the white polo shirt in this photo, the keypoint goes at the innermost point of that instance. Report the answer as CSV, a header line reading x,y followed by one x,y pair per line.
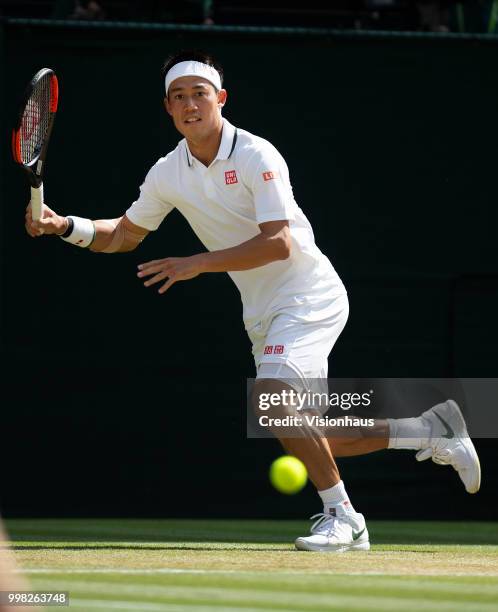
x,y
245,185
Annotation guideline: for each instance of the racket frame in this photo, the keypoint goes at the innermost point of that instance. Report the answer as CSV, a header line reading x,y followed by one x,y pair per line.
x,y
34,168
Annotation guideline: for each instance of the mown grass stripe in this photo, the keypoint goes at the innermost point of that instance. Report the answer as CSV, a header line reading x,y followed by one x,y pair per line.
x,y
102,605
342,603
201,572
391,593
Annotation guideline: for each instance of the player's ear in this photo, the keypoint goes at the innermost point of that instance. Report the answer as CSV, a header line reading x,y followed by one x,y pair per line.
x,y
167,105
222,97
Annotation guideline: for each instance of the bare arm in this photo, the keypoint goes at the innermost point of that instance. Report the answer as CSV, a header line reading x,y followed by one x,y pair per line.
x,y
273,243
118,235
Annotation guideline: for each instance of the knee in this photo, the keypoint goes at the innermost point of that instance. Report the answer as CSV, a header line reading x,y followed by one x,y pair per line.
x,y
271,397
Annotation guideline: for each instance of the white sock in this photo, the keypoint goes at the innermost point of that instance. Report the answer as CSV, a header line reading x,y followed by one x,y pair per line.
x,y
335,496
413,433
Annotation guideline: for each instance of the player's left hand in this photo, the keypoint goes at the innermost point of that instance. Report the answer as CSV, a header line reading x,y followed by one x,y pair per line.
x,y
173,268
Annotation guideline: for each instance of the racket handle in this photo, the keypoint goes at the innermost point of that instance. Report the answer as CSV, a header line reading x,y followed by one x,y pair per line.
x,y
36,202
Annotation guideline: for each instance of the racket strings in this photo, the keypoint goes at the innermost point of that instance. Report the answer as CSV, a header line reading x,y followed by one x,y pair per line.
x,y
36,120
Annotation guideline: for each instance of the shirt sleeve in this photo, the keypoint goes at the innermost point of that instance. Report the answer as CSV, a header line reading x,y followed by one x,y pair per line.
x,y
268,179
151,208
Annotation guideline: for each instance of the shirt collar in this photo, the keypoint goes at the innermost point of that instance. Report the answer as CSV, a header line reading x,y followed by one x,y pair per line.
x,y
228,140
227,144
190,157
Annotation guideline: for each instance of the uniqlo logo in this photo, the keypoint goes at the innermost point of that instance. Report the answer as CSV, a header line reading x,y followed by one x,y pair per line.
x,y
230,177
269,349
279,349
268,176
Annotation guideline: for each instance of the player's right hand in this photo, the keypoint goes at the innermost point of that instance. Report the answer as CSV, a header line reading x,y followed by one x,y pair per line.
x,y
50,223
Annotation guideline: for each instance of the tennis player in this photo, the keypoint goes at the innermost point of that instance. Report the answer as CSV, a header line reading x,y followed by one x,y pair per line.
x,y
234,190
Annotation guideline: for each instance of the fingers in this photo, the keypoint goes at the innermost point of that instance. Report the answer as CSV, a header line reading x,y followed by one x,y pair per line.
x,y
51,225
159,277
33,228
146,267
153,267
34,233
45,210
155,279
161,269
173,268
167,285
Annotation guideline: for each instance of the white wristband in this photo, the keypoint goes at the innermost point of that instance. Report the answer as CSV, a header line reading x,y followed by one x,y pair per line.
x,y
83,232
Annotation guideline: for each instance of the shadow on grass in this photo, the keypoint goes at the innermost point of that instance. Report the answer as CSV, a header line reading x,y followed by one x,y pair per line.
x,y
237,547
83,547
236,533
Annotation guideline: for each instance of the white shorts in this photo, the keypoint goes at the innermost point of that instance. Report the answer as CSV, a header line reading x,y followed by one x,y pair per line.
x,y
290,343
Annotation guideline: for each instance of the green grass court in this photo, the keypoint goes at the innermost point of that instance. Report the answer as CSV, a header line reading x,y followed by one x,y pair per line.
x,y
190,565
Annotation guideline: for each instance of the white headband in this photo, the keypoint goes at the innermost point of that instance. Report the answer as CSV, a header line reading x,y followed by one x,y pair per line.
x,y
192,68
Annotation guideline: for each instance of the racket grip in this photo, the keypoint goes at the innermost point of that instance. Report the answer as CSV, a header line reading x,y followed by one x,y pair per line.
x,y
36,202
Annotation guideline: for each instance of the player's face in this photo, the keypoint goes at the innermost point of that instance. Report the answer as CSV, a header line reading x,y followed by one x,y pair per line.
x,y
195,106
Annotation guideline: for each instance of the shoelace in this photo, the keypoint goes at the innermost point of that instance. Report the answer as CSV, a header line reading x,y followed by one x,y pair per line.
x,y
443,457
440,456
319,526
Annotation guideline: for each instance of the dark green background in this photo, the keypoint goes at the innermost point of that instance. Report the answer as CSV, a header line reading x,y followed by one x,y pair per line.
x,y
119,402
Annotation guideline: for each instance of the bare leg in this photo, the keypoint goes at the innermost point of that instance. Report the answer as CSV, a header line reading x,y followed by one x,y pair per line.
x,y
349,447
314,451
316,454
377,438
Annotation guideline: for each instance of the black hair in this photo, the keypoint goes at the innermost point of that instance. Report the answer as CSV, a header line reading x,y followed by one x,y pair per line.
x,y
195,55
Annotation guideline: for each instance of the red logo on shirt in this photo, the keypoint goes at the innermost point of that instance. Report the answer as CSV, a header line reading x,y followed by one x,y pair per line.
x,y
230,177
268,176
268,349
279,349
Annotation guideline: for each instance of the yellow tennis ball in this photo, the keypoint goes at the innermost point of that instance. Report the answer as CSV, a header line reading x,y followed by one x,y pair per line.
x,y
288,474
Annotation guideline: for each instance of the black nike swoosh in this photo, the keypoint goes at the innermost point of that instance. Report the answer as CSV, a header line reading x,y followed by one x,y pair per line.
x,y
357,534
449,431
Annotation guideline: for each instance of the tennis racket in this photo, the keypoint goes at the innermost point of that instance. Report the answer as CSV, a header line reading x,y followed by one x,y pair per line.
x,y
31,135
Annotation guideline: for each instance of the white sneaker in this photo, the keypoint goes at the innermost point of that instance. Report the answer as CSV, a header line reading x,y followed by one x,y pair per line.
x,y
336,532
450,444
